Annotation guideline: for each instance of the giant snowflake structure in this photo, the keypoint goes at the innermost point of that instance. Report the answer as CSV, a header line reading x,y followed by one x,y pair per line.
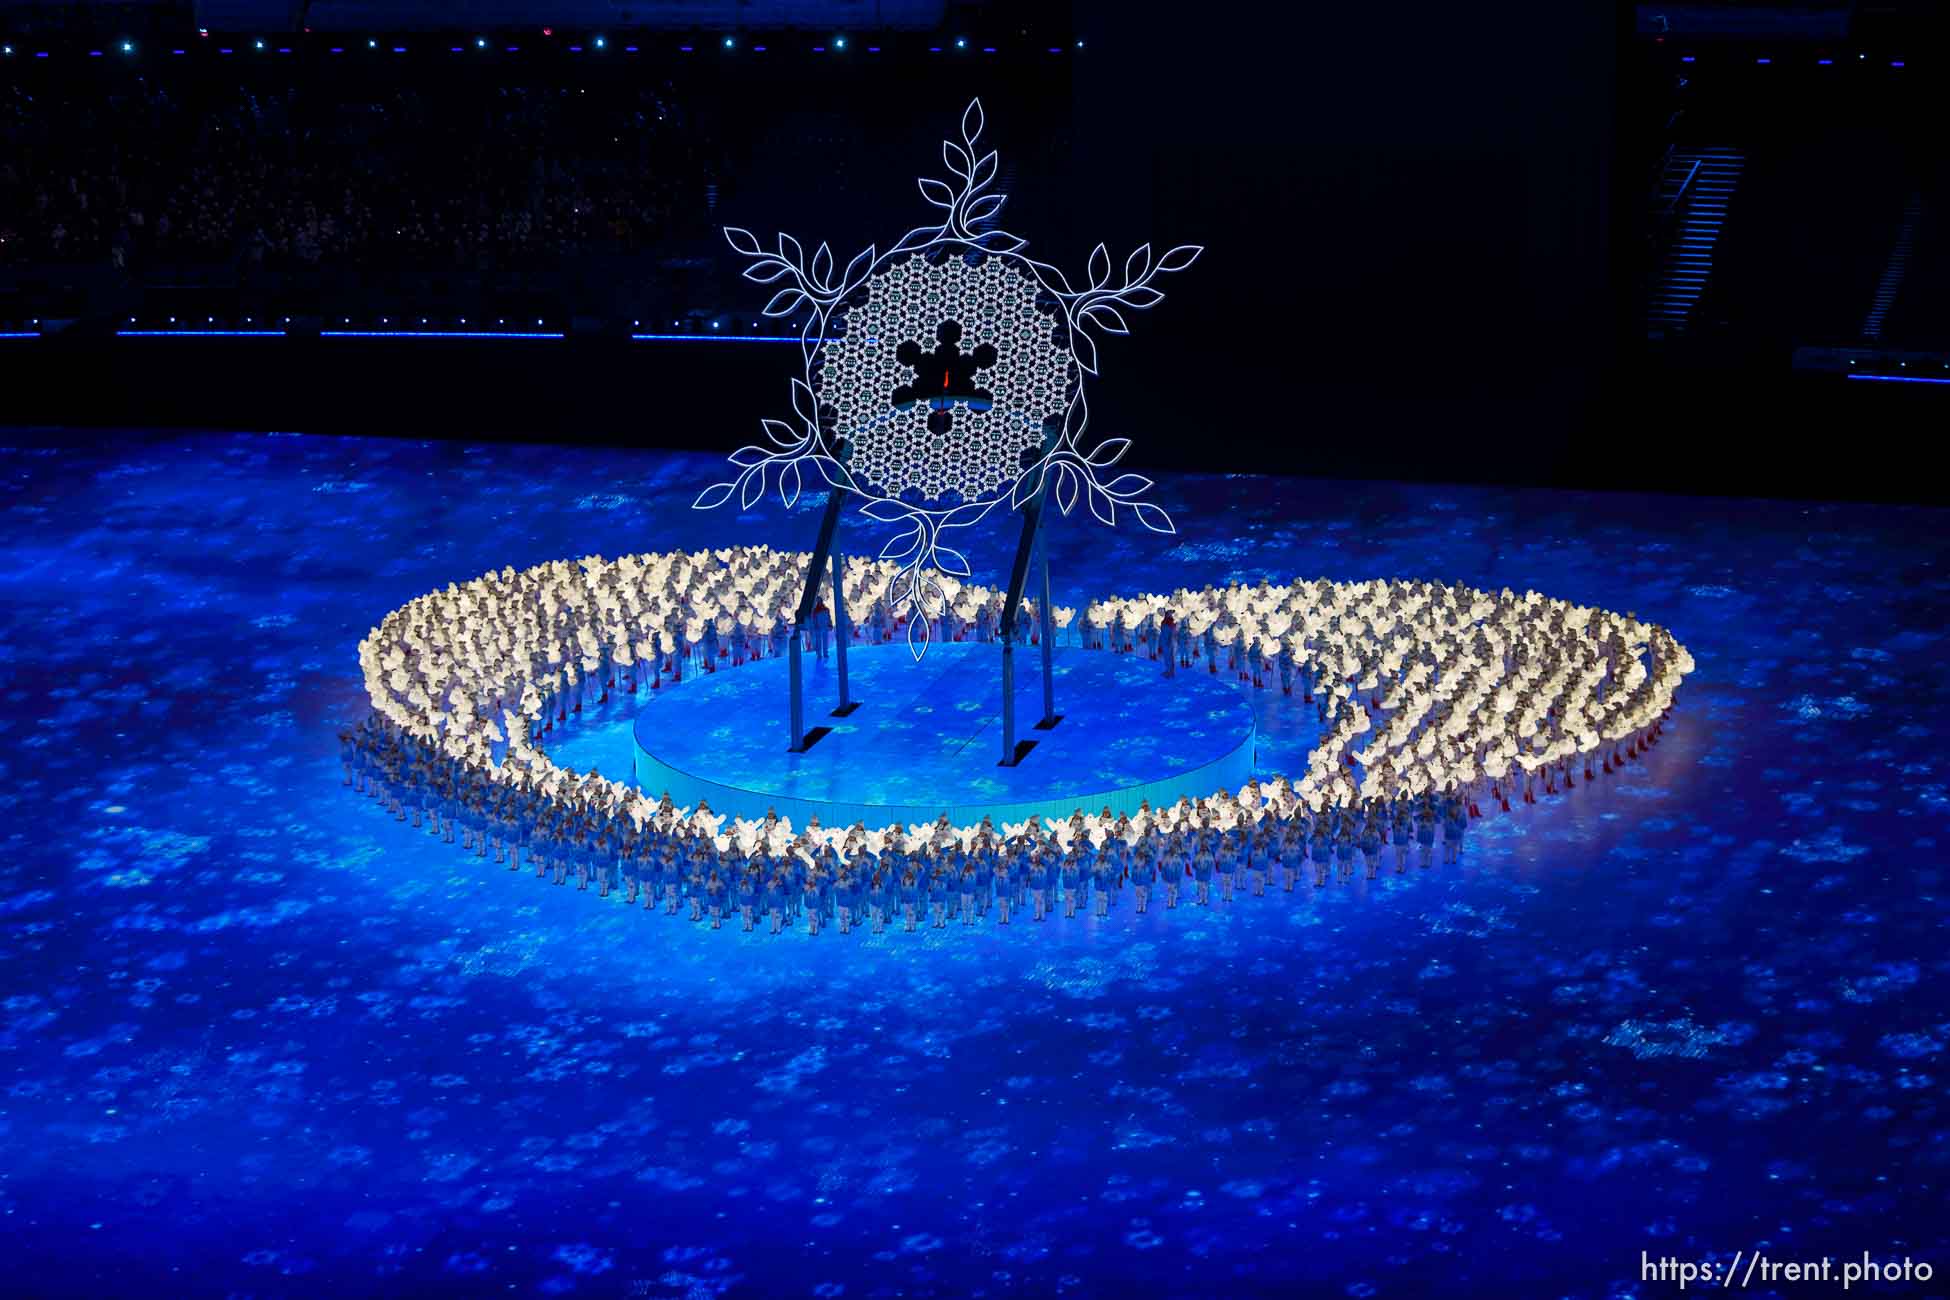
x,y
943,377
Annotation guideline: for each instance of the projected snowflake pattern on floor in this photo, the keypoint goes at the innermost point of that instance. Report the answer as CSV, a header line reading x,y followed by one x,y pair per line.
x,y
345,1061
890,408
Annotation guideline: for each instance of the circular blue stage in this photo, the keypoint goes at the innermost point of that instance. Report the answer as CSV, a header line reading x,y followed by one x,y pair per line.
x,y
927,738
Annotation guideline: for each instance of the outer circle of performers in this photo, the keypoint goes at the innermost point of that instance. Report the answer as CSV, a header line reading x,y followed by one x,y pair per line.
x,y
1434,700
764,874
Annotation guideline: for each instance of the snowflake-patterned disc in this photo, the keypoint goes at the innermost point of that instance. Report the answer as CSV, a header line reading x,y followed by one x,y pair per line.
x,y
944,377
970,366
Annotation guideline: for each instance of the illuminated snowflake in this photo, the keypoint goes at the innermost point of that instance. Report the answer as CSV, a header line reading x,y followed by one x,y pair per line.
x,y
944,377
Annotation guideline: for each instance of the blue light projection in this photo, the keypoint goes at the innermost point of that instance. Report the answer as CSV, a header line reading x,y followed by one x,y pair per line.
x,y
262,1039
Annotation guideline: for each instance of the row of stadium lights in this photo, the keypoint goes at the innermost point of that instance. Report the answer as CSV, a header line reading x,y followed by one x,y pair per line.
x,y
726,330
1821,61
427,327
731,330
839,44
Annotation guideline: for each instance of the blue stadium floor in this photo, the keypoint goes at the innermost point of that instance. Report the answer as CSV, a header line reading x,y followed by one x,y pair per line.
x,y
260,1040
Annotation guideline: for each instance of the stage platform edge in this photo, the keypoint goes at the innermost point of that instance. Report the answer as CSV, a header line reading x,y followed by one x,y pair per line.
x,y
927,739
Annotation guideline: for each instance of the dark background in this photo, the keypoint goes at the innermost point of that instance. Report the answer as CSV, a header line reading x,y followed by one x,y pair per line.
x,y
1424,258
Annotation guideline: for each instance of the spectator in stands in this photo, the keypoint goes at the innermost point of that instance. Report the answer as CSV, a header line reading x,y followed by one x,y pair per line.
x,y
326,176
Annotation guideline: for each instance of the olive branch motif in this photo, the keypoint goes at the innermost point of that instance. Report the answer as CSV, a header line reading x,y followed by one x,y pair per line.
x,y
1066,468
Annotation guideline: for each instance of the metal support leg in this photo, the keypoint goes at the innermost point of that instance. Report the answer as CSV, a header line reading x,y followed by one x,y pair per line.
x,y
815,571
798,741
1032,519
1008,702
841,632
1049,633
1032,531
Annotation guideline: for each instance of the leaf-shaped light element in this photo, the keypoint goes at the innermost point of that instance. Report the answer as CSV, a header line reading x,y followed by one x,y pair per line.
x,y
822,266
936,192
1066,488
1126,486
784,302
984,171
972,121
789,249
751,486
789,484
714,496
746,457
1141,297
1108,452
1099,266
896,550
767,271
1106,318
780,432
1180,257
886,511
984,208
832,471
965,514
951,561
1102,506
1138,264
857,269
804,402
1086,349
956,157
918,633
1152,517
999,241
743,240
1028,485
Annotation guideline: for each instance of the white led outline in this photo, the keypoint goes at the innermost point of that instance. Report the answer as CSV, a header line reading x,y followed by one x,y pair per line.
x,y
918,548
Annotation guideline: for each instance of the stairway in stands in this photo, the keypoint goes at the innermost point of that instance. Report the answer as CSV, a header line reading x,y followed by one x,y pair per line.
x,y
1893,270
1695,187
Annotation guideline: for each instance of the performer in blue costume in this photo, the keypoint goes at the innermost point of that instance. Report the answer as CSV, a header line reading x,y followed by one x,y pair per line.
x,y
822,630
1371,839
1454,827
1202,858
1321,847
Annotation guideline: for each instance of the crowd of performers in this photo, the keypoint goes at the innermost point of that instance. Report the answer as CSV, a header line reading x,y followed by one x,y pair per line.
x,y
1458,698
762,872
